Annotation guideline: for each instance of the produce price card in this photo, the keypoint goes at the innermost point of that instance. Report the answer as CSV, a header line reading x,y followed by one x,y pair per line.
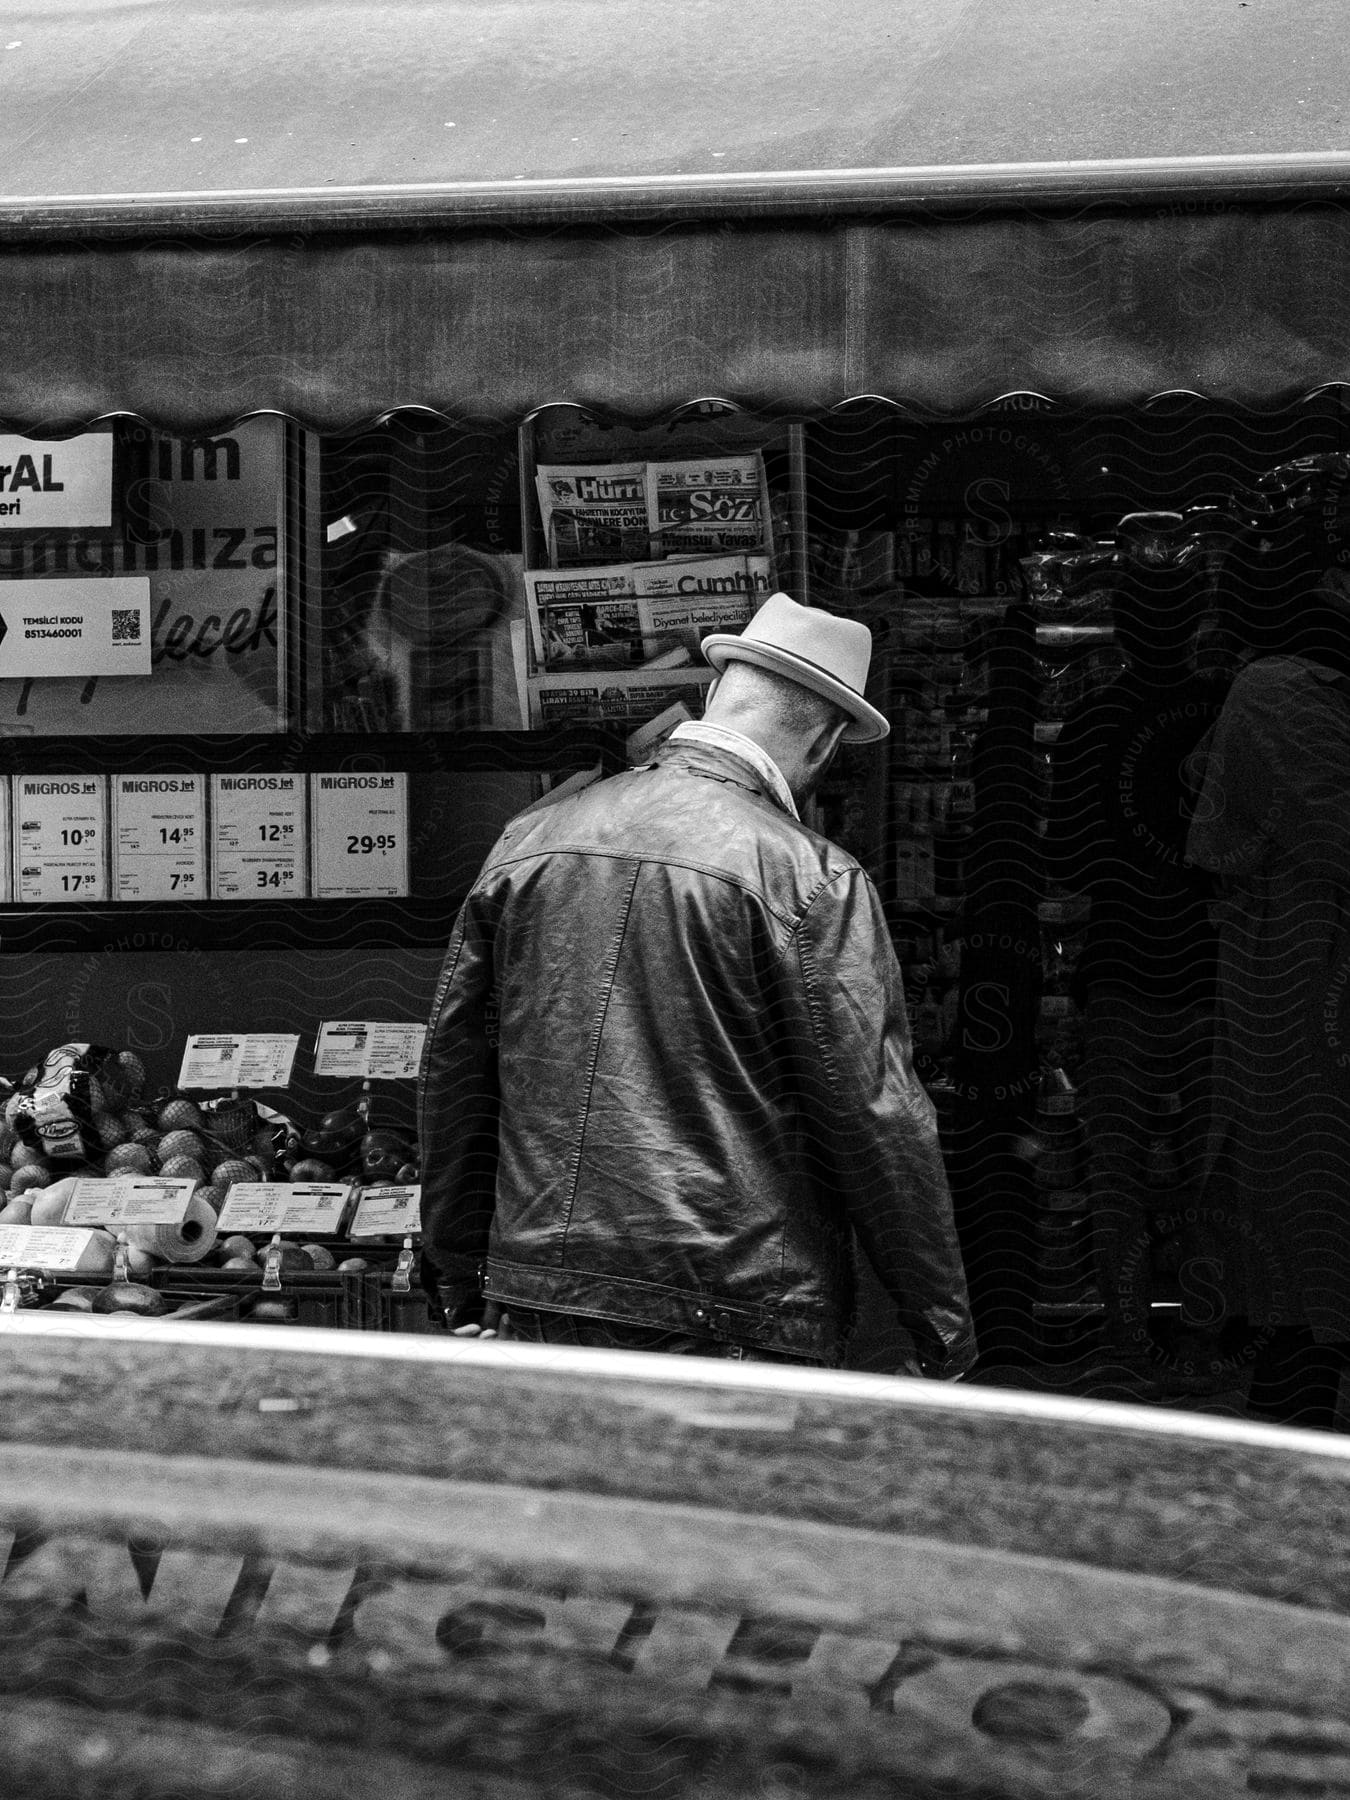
x,y
387,1212
255,1059
52,1247
130,1200
309,1206
358,835
369,1049
258,836
60,835
159,837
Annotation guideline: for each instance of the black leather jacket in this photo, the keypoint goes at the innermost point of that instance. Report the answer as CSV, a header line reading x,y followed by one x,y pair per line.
x,y
668,1067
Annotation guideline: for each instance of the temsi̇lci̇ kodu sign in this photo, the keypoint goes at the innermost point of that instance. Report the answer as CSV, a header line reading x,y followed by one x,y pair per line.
x,y
149,603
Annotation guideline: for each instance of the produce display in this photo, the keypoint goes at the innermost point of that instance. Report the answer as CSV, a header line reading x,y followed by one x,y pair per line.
x,y
85,1113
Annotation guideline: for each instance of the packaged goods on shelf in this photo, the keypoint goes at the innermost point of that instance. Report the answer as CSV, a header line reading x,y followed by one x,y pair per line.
x,y
915,880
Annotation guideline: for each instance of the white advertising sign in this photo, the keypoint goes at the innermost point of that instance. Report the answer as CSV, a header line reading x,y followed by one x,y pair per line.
x,y
387,1212
6,848
52,629
60,834
159,837
358,835
59,486
222,1059
369,1049
258,836
309,1206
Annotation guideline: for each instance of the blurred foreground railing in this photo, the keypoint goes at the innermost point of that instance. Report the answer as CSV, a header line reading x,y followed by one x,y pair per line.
x,y
268,1563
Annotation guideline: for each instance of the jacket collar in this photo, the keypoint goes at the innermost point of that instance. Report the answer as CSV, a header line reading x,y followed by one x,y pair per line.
x,y
752,770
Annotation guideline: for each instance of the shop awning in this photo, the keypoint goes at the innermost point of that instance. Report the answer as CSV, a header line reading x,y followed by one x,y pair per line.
x,y
334,210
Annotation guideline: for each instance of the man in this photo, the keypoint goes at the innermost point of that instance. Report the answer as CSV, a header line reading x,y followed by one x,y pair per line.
x,y
1273,825
1145,981
668,1071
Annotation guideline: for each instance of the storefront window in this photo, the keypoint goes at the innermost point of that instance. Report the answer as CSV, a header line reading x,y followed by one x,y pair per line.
x,y
191,528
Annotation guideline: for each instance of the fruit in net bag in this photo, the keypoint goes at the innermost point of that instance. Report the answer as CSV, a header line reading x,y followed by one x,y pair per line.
x,y
58,1105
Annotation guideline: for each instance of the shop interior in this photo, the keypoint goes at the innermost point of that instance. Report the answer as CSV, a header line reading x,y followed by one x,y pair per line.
x,y
378,623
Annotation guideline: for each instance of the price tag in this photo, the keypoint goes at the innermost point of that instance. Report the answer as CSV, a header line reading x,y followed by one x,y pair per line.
x,y
159,837
372,1050
359,834
130,1200
291,1206
258,836
255,1059
387,1212
60,833
6,848
53,1247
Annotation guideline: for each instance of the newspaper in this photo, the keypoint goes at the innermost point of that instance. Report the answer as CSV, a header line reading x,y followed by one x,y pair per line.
x,y
583,617
684,601
621,699
594,513
648,738
708,505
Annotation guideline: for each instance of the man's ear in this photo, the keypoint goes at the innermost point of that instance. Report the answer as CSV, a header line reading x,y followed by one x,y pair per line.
x,y
826,742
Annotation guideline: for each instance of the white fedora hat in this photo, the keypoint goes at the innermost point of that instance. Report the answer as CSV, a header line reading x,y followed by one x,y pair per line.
x,y
816,649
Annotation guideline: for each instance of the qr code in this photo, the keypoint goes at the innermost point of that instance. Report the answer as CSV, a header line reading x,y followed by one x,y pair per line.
x,y
126,625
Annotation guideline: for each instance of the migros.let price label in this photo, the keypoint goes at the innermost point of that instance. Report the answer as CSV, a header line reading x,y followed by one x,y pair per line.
x,y
258,842
286,1206
358,835
159,837
60,837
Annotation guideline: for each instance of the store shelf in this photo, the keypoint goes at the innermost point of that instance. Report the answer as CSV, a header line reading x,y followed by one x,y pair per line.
x,y
224,925
278,924
558,750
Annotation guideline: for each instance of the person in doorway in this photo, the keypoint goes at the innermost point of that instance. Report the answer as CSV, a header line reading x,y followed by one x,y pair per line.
x,y
668,1073
1272,823
1144,983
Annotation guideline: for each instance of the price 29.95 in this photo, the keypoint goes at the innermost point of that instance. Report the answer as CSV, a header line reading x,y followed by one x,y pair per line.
x,y
364,844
